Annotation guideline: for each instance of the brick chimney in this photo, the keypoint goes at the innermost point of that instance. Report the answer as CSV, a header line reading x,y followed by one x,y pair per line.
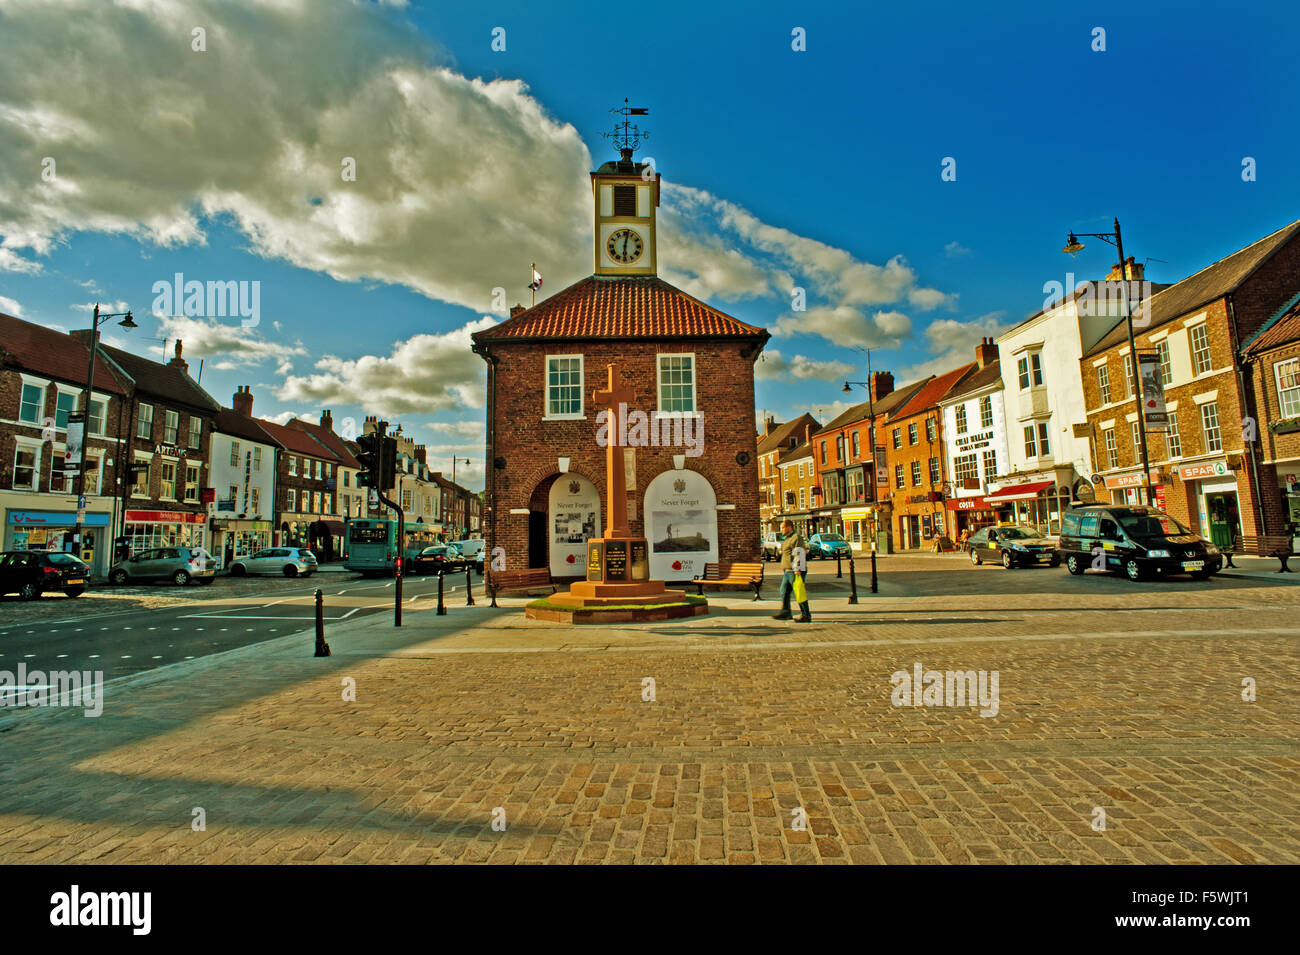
x,y
769,423
807,433
882,383
516,309
1135,271
327,420
986,352
242,401
178,361
421,454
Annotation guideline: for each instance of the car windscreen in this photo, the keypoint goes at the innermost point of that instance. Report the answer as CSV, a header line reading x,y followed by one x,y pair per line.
x,y
1017,533
1152,524
63,560
833,538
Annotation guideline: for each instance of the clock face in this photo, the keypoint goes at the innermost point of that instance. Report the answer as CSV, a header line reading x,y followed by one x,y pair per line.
x,y
624,246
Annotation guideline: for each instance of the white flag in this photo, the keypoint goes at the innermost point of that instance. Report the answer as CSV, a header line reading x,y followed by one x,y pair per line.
x,y
536,283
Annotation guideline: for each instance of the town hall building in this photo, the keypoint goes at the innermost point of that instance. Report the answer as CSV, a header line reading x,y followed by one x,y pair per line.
x,y
688,433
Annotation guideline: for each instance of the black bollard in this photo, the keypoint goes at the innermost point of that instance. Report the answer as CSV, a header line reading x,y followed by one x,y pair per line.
x,y
839,571
853,582
469,588
442,608
874,587
322,648
492,589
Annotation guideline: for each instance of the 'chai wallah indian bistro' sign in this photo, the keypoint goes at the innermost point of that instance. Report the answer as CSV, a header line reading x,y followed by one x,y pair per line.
x,y
973,442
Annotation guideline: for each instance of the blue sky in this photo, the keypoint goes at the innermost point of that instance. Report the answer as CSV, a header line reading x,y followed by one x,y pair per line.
x,y
817,168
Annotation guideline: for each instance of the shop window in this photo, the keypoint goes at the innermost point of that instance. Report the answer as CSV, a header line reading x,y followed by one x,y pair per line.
x,y
141,486
304,506
191,482
990,465
196,431
823,454
93,466
931,429
171,430
934,471
234,454
899,480
913,434
1210,426
1288,387
898,438
31,404
986,413
144,422
966,468
256,501
961,419
1200,339
839,449
98,410
1166,366
857,445
60,482
1103,384
257,459
1112,452
24,469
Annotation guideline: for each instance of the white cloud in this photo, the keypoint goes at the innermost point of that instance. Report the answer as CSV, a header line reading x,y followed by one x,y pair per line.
x,y
953,343
10,261
11,307
284,417
462,428
955,250
846,325
825,411
103,307
424,374
774,365
231,346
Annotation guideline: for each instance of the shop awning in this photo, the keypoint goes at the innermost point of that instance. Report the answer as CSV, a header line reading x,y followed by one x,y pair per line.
x,y
335,528
1019,492
855,513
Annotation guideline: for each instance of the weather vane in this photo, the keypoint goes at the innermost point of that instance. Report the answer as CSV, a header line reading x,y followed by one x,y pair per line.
x,y
626,136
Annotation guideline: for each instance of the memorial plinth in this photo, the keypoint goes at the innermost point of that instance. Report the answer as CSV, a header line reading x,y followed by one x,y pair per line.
x,y
618,588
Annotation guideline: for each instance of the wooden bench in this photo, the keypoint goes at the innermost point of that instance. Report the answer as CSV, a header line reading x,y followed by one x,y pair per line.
x,y
744,575
1263,545
531,579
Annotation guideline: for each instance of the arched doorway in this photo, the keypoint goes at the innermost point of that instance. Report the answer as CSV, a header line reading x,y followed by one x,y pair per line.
x,y
681,521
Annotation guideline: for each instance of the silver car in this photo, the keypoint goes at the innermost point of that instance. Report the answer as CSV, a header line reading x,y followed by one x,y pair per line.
x,y
290,561
180,565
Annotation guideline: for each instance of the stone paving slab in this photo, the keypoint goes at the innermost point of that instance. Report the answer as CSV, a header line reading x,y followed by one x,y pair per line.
x,y
755,724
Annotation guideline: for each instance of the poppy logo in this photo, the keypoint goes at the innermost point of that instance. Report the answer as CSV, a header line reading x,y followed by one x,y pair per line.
x,y
677,565
571,559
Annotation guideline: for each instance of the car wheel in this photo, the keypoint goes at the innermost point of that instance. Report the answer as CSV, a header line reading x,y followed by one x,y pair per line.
x,y
238,570
118,577
1073,565
29,591
1007,562
180,578
75,591
1133,570
975,558
290,570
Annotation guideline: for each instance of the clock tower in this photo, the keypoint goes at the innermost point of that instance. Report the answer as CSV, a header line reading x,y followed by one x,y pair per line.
x,y
625,194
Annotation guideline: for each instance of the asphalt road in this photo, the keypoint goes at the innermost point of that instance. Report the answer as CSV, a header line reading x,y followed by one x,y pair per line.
x,y
60,634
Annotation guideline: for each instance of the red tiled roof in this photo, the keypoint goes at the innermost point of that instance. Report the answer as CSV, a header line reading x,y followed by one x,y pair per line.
x,y
328,438
45,351
631,307
1281,330
935,388
293,440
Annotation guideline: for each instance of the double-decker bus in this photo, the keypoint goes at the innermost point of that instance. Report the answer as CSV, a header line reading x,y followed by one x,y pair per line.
x,y
372,546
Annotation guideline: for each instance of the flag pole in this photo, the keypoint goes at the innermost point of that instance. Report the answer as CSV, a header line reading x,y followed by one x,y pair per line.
x,y
532,285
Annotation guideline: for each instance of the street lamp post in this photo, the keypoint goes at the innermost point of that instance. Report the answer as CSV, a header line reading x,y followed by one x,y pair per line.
x,y
1073,247
875,480
97,318
457,498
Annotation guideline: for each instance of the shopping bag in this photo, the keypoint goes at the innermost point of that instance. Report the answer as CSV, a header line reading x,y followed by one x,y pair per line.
x,y
800,591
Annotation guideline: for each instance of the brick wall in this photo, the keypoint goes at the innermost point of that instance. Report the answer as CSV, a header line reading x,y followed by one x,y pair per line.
x,y
924,449
531,446
1277,454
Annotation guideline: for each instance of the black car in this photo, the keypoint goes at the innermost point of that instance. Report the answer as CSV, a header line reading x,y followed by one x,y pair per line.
x,y
30,573
438,557
1013,545
1134,541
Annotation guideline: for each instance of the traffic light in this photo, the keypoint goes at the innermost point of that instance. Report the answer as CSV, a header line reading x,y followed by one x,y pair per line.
x,y
388,463
368,457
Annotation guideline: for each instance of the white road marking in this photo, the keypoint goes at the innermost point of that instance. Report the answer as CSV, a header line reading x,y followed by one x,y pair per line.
x,y
126,656
159,657
94,656
29,655
62,656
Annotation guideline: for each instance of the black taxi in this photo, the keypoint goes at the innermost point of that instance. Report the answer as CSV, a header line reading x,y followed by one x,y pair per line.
x,y
1134,541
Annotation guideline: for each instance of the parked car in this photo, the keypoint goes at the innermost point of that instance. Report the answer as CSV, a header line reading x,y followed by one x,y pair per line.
x,y
1135,541
1013,545
828,547
444,557
290,561
30,573
474,558
772,545
180,565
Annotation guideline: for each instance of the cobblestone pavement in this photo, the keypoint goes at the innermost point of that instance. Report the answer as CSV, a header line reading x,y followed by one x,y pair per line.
x,y
1116,697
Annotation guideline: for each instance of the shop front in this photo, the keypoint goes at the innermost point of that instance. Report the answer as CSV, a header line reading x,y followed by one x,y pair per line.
x,y
1289,484
1212,485
857,523
235,539
1038,503
919,520
1130,488
147,529
969,514
54,531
